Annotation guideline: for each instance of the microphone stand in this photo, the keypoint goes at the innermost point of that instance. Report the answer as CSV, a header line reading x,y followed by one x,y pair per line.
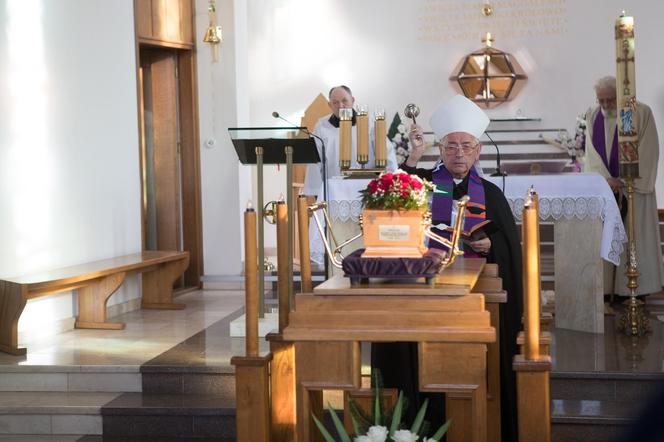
x,y
498,172
323,173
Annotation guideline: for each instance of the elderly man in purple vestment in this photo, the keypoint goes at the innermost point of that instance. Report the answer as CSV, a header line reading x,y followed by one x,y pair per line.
x,y
458,125
602,158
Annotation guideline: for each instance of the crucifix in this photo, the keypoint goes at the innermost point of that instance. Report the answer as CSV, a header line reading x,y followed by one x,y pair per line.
x,y
625,59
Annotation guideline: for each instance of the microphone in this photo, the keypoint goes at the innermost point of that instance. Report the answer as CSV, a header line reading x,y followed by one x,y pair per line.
x,y
498,172
275,114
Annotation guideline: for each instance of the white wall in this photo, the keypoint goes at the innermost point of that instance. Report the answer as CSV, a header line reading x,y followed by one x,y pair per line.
x,y
395,52
223,102
69,175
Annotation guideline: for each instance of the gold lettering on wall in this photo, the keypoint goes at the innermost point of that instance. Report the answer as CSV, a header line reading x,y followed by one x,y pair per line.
x,y
460,20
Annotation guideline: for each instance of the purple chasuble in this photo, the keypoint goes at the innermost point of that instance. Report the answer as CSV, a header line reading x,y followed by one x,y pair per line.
x,y
441,204
599,141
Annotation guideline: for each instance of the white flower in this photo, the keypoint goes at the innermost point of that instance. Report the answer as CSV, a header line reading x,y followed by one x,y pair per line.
x,y
362,439
401,128
377,433
404,436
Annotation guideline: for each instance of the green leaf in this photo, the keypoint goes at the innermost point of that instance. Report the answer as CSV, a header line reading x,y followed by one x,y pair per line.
x,y
442,430
365,420
396,417
419,418
392,131
338,424
356,426
358,413
377,407
326,434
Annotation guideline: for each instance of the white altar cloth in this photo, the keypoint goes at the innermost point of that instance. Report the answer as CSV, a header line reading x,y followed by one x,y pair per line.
x,y
563,196
567,196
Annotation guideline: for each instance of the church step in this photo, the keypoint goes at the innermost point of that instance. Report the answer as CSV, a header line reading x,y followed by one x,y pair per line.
x,y
164,415
589,420
51,378
188,380
44,438
151,439
603,386
52,413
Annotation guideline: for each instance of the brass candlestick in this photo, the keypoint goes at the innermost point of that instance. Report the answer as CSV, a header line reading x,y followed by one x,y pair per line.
x,y
633,321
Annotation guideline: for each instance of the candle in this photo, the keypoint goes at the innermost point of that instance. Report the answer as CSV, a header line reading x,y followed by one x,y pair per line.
x,y
626,98
531,275
251,281
282,264
362,135
380,142
345,137
305,253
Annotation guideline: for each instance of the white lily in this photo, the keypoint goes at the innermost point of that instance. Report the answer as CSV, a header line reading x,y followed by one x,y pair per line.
x,y
404,436
377,433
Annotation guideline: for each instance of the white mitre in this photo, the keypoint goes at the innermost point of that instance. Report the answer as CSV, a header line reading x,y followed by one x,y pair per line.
x,y
459,114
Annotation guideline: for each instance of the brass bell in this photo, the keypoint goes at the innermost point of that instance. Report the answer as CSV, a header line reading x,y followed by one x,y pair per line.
x,y
211,35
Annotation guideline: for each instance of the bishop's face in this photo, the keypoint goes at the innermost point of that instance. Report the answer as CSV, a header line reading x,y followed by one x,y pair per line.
x,y
606,98
340,99
459,151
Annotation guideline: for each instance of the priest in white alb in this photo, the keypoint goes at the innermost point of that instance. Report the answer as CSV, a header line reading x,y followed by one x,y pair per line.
x,y
602,158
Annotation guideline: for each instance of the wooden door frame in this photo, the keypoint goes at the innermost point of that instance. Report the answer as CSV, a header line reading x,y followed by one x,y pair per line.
x,y
192,225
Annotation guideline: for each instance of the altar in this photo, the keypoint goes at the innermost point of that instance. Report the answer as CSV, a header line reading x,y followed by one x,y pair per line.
x,y
587,230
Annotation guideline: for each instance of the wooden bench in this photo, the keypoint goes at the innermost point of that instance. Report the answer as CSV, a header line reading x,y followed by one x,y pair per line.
x,y
95,282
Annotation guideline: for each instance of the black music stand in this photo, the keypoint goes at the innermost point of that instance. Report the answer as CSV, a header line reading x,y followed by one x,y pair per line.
x,y
273,145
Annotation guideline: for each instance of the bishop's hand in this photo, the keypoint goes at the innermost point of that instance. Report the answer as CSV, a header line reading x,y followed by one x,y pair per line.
x,y
416,139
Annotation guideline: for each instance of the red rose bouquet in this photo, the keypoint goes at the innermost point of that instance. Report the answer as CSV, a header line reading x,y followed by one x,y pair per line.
x,y
396,190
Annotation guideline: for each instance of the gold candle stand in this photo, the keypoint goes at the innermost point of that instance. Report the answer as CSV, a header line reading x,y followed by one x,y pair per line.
x,y
633,321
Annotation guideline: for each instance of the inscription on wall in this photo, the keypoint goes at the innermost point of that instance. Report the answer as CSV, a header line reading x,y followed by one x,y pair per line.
x,y
459,20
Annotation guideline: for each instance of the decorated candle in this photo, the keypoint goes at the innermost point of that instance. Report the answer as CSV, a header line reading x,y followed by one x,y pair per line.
x,y
380,136
362,135
345,137
626,98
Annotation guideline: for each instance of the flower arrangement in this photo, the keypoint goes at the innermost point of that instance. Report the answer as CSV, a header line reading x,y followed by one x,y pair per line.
x,y
379,432
396,190
397,135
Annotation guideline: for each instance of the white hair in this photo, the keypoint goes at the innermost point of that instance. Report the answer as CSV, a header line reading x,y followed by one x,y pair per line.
x,y
608,82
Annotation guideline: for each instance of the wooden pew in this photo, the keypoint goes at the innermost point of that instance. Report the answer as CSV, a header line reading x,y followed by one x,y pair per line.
x,y
95,282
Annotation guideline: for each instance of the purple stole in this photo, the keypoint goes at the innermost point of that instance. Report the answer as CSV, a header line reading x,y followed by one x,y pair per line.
x,y
441,204
599,141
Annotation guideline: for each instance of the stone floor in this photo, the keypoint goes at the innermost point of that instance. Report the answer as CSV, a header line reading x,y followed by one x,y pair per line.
x,y
197,338
148,334
611,351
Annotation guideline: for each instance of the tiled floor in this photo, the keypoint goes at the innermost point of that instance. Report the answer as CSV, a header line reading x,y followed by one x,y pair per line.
x,y
148,334
173,337
611,351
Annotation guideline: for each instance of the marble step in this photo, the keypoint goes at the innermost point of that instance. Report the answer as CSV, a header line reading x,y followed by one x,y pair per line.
x,y
43,438
72,378
189,380
169,415
590,420
52,413
153,439
604,386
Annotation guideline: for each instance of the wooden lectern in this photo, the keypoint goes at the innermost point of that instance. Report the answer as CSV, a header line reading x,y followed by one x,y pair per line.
x,y
450,324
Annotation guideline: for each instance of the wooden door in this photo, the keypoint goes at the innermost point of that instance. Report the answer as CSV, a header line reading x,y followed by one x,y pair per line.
x,y
160,148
